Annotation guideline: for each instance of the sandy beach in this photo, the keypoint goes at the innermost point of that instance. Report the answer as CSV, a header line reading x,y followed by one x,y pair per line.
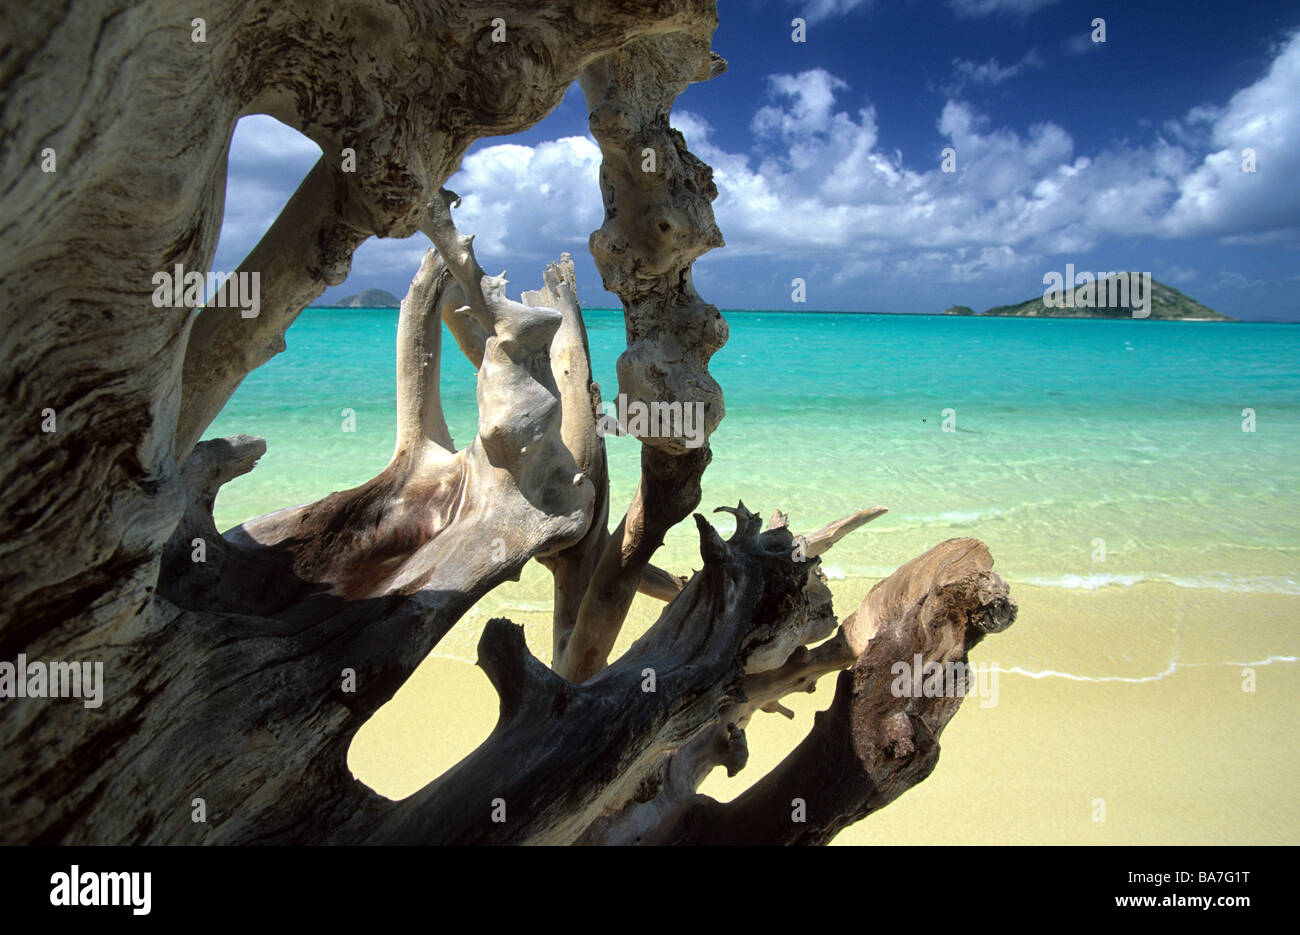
x,y
1176,755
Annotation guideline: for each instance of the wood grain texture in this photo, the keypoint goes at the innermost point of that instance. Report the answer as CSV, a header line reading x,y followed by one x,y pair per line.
x,y
239,666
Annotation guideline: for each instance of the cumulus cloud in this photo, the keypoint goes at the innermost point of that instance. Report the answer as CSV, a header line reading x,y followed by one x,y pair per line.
x,y
525,205
1217,197
818,178
530,202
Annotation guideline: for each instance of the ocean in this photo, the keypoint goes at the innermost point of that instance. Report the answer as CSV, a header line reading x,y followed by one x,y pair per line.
x,y
1137,482
1086,453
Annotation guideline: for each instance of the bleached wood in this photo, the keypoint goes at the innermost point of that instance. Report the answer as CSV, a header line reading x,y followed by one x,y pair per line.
x,y
240,666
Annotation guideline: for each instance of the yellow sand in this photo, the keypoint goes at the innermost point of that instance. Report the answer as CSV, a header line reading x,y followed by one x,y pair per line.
x,y
1183,757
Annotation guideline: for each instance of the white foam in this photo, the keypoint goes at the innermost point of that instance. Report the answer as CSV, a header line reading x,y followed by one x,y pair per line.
x,y
525,607
1222,581
1086,582
1169,670
961,516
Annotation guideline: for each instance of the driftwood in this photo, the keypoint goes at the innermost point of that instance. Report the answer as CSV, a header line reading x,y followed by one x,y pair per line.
x,y
240,679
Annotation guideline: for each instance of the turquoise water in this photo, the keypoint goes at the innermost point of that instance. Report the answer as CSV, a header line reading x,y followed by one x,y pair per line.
x,y
1066,432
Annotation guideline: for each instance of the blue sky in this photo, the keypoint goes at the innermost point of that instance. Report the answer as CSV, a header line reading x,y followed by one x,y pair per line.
x,y
1125,154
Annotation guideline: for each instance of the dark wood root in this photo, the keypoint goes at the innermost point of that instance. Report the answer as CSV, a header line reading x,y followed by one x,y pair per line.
x,y
563,754
879,737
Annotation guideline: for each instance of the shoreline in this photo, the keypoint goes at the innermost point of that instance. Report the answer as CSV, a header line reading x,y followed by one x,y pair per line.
x,y
1030,770
1087,707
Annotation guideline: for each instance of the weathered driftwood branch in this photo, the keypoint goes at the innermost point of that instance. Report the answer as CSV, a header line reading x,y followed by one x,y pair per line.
x,y
309,247
437,520
240,666
658,221
870,746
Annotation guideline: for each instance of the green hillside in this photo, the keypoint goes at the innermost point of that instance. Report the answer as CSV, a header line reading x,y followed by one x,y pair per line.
x,y
1106,301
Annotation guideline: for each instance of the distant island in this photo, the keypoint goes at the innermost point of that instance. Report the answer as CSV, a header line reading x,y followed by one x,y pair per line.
x,y
1166,303
371,298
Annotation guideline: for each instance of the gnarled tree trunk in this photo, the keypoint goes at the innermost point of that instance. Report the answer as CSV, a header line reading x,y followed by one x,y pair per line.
x,y
224,676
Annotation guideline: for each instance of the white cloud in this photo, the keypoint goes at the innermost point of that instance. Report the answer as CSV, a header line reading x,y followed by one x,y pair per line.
x,y
989,7
814,11
524,205
1177,274
989,73
818,180
1081,42
259,138
822,183
812,96
524,202
1217,198
1233,280
267,162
